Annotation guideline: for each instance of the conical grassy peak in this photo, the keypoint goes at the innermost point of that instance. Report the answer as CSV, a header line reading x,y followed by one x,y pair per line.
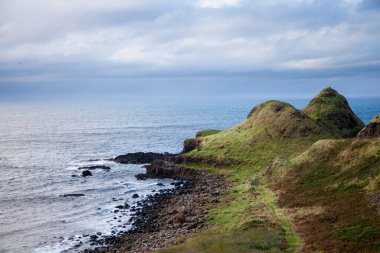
x,y
332,109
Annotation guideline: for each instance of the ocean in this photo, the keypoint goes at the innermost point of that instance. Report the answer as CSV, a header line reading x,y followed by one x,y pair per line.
x,y
43,144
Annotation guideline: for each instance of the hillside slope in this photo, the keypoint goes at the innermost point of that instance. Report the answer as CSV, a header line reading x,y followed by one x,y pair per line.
x,y
332,192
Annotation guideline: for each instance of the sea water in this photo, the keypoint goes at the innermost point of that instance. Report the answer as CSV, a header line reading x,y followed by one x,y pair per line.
x,y
42,145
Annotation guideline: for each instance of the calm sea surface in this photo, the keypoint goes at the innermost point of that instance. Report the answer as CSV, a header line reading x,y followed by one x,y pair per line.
x,y
42,146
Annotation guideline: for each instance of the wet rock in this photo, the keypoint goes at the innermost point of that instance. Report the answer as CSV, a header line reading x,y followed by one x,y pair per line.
x,y
135,196
73,195
95,167
86,173
141,176
139,157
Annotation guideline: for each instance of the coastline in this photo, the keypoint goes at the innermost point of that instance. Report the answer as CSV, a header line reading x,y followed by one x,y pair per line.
x,y
167,218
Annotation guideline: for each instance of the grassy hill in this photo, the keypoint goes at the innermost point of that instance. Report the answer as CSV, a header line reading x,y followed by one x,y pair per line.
x,y
271,128
333,110
294,186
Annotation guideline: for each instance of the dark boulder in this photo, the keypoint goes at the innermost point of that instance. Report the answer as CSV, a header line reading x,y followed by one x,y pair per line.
x,y
135,196
141,176
86,173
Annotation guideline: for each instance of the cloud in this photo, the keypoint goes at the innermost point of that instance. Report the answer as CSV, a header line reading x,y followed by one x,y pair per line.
x,y
216,4
114,40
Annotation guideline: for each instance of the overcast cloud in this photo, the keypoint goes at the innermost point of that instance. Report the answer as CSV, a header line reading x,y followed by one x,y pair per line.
x,y
156,45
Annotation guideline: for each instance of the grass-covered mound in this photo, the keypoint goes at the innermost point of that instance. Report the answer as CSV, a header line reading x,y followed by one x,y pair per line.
x,y
332,192
333,110
271,128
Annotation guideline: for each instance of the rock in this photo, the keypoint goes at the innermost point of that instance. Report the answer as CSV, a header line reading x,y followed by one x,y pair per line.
x,y
191,144
73,195
95,167
256,182
139,157
141,176
180,216
135,196
86,173
372,129
160,220
167,169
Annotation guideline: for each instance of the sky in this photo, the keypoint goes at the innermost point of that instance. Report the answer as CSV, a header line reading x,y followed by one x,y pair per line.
x,y
188,48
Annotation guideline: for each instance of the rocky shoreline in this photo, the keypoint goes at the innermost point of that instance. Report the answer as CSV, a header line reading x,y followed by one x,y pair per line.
x,y
167,217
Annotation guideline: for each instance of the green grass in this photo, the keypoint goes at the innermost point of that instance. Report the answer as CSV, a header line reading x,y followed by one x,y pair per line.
x,y
270,199
208,132
357,232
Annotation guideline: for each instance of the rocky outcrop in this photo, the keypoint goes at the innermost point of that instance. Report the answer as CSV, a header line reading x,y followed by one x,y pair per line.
x,y
332,109
372,129
168,169
191,144
139,157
